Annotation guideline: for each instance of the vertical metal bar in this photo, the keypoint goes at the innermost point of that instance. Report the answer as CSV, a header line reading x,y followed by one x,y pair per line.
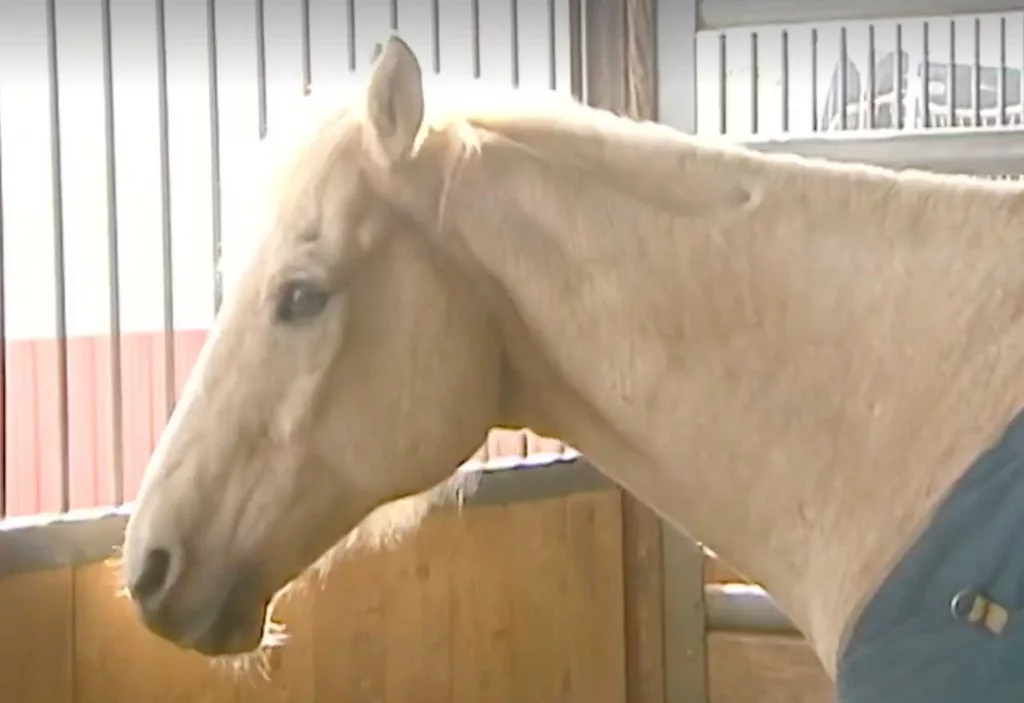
x,y
113,262
754,81
926,79
575,46
723,78
3,349
872,77
59,271
814,80
844,78
435,33
213,76
976,73
165,207
350,16
1001,86
261,68
307,52
474,20
951,75
898,78
393,12
785,81
514,29
552,48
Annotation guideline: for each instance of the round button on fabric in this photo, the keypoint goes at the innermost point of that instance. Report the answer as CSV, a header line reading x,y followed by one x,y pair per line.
x,y
973,607
963,603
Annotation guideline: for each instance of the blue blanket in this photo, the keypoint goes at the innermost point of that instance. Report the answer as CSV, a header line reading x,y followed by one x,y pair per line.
x,y
947,624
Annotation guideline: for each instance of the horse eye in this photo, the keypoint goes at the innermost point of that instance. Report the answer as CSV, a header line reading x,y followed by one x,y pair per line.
x,y
300,300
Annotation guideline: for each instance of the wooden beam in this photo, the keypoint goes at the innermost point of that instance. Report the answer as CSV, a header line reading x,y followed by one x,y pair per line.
x,y
661,667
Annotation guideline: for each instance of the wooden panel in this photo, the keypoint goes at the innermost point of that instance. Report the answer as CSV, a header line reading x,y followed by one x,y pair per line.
x,y
504,603
116,660
766,669
36,657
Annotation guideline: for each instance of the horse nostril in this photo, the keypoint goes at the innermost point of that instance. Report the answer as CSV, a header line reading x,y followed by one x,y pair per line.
x,y
153,579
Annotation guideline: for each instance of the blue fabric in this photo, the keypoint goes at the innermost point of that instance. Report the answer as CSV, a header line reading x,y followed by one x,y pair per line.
x,y
908,646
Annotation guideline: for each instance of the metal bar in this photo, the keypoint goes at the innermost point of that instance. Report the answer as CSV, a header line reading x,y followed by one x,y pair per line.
x,y
552,48
1001,87
785,81
951,81
261,68
898,69
872,77
474,20
744,608
307,50
723,81
926,79
59,270
814,80
988,152
514,30
393,15
3,349
350,17
724,14
113,261
976,74
213,78
755,106
167,241
898,77
435,33
844,77
575,46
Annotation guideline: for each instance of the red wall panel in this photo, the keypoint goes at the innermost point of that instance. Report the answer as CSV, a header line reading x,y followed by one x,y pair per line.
x,y
33,416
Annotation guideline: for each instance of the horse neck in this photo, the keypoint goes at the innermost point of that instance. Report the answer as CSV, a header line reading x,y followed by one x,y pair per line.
x,y
729,356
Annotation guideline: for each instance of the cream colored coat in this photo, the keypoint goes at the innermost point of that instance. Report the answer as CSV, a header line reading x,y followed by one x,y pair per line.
x,y
791,360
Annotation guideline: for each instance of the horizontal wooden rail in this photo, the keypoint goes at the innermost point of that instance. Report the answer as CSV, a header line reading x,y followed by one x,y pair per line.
x,y
41,543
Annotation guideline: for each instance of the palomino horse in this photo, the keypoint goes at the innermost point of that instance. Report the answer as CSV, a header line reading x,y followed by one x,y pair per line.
x,y
810,367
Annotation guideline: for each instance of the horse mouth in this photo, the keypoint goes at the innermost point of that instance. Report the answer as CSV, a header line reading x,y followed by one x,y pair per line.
x,y
238,625
233,632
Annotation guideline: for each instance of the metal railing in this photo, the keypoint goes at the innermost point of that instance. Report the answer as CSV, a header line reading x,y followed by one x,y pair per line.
x,y
910,73
536,34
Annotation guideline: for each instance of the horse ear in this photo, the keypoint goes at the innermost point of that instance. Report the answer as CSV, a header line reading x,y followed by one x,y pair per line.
x,y
395,100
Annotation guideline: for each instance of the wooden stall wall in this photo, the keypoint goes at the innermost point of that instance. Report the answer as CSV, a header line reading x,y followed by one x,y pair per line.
x,y
748,667
502,603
